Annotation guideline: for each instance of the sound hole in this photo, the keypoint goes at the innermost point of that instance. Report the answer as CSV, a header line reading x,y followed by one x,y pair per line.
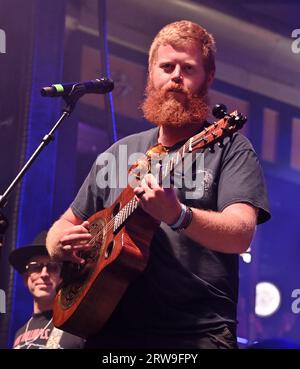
x,y
109,249
116,209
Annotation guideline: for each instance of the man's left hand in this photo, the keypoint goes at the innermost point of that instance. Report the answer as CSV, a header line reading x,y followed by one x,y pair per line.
x,y
161,203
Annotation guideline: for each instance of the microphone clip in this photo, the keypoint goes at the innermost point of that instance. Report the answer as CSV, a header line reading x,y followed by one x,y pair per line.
x,y
72,98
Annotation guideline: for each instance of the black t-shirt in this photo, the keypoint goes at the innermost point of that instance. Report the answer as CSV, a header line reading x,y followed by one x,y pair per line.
x,y
39,333
186,288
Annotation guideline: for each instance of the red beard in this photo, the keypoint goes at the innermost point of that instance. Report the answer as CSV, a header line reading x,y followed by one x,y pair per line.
x,y
177,109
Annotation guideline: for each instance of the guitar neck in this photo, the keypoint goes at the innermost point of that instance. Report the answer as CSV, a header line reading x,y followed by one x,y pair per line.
x,y
125,213
216,132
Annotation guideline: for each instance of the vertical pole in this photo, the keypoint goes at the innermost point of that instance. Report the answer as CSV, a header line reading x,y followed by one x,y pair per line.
x,y
42,38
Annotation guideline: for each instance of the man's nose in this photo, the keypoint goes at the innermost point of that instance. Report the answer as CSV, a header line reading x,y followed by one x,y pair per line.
x,y
177,74
44,272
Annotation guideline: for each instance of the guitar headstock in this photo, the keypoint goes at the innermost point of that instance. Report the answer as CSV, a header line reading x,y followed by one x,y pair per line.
x,y
226,126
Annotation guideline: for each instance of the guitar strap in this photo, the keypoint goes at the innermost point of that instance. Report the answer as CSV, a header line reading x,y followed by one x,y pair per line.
x,y
54,338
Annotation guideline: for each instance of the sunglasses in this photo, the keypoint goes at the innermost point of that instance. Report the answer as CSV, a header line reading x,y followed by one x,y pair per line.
x,y
35,267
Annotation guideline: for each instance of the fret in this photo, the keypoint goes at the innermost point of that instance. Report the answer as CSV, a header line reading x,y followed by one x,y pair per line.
x,y
122,217
166,169
177,157
131,207
115,223
191,144
172,164
125,212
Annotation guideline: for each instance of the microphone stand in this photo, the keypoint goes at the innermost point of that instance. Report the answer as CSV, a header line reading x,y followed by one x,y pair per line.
x,y
71,101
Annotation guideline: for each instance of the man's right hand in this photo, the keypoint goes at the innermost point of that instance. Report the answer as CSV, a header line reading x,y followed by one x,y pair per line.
x,y
69,235
74,239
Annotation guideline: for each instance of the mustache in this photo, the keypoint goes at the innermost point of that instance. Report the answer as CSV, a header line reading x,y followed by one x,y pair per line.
x,y
174,87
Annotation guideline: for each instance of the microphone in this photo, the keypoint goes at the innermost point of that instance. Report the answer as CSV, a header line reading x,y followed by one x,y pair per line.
x,y
96,86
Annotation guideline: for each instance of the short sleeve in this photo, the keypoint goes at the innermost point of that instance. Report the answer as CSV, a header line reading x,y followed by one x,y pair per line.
x,y
89,198
242,180
96,193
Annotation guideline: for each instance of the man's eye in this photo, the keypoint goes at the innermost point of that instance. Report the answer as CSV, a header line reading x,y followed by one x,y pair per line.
x,y
166,66
188,68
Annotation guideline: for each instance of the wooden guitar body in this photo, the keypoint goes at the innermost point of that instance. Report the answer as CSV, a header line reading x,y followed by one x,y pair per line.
x,y
115,261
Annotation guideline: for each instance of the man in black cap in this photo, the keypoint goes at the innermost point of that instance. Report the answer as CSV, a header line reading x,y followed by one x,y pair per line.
x,y
41,276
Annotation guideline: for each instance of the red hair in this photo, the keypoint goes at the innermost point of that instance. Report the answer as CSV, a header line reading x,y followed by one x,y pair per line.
x,y
182,33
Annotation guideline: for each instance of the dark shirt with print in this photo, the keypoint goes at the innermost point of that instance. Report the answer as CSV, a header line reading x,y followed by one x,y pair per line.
x,y
39,333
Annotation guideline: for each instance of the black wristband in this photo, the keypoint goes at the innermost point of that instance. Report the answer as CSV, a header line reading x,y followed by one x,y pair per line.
x,y
186,221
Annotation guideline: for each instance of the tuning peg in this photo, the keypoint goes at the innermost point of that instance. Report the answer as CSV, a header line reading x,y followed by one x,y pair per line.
x,y
233,120
212,149
243,120
220,144
239,120
219,111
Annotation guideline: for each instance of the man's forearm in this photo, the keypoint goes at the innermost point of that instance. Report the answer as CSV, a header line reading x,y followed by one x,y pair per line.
x,y
54,235
227,232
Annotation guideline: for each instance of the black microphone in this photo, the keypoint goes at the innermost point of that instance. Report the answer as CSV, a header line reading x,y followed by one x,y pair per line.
x,y
96,86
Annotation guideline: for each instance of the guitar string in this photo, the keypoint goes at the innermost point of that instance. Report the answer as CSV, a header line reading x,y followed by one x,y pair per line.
x,y
200,137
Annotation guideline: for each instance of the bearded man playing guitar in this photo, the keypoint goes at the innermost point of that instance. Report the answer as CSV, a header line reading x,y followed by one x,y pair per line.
x,y
186,295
